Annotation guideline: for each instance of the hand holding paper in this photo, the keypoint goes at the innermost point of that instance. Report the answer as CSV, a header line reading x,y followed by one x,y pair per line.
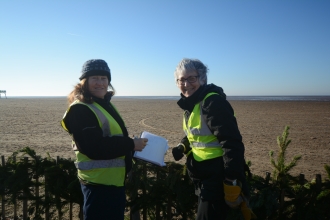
x,y
140,143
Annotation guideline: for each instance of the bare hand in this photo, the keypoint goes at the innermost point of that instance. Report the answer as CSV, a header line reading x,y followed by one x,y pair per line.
x,y
140,143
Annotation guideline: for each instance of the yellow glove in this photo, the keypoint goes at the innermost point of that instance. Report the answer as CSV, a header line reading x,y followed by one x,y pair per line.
x,y
236,199
246,211
233,196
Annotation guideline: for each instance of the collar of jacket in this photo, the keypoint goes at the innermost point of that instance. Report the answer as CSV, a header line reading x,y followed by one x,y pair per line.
x,y
103,101
188,103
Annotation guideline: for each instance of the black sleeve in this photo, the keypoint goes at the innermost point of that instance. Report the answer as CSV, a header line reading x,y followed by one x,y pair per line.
x,y
220,119
88,136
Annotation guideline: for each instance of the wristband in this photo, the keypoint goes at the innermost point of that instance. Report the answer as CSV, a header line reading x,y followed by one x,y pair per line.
x,y
184,147
231,183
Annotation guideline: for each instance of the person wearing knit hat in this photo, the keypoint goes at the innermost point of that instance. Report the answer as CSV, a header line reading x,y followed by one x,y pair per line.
x,y
100,141
95,67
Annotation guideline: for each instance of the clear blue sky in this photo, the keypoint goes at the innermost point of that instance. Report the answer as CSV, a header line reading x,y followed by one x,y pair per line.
x,y
251,47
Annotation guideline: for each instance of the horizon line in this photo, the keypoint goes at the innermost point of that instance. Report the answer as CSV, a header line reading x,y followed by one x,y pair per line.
x,y
154,95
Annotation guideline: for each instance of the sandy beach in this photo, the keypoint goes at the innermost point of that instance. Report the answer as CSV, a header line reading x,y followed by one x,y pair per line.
x,y
35,123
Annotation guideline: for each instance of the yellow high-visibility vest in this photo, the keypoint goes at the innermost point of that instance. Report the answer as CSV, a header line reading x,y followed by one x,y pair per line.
x,y
204,144
106,172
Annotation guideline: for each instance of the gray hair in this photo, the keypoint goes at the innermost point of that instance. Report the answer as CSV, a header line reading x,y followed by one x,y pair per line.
x,y
188,65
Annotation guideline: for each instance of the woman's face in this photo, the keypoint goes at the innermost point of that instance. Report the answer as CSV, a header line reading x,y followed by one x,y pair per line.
x,y
188,83
98,86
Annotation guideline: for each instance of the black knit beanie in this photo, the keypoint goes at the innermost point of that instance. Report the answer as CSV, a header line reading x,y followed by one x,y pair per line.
x,y
95,67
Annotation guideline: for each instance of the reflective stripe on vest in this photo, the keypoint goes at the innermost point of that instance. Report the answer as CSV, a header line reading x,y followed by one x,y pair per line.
x,y
93,164
204,144
107,172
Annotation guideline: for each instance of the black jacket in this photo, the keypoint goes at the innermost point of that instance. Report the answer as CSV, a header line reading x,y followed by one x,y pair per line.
x,y
220,119
88,135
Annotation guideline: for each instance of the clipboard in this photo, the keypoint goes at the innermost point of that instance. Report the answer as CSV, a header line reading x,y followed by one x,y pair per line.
x,y
155,150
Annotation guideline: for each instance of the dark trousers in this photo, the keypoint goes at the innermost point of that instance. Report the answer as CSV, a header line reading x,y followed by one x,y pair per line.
x,y
211,210
208,177
103,202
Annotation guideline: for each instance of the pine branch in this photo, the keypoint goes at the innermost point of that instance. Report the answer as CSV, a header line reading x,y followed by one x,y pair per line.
x,y
327,169
280,172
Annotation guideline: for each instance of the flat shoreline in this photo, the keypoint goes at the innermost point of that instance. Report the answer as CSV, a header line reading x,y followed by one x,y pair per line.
x,y
35,122
323,98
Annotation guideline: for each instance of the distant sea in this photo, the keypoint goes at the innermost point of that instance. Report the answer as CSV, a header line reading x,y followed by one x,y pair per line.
x,y
236,98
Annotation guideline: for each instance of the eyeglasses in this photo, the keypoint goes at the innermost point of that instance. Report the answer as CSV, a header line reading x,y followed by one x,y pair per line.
x,y
190,79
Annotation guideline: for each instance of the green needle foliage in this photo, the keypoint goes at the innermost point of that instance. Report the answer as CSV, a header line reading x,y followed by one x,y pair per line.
x,y
161,189
163,192
25,172
281,170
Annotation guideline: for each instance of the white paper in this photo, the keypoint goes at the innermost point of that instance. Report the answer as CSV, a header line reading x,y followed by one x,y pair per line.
x,y
155,149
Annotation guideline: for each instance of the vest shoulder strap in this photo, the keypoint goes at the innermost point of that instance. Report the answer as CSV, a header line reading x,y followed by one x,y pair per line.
x,y
208,95
103,122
